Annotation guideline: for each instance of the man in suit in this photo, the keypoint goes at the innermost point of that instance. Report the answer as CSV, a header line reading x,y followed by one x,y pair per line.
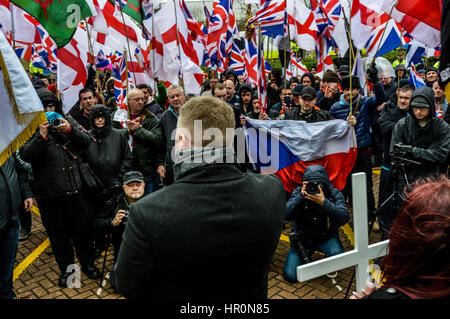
x,y
213,232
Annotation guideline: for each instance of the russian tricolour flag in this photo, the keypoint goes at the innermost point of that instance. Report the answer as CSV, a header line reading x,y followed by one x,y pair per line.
x,y
286,148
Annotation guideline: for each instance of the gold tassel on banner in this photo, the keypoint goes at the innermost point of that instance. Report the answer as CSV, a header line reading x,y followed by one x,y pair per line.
x,y
34,119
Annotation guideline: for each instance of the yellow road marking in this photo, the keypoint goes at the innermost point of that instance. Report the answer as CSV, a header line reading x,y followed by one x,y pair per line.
x,y
349,233
30,258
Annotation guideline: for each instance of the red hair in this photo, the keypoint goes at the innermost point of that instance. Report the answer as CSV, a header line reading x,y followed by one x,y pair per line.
x,y
419,242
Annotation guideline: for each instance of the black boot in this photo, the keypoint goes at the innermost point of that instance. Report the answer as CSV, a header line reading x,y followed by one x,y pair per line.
x,y
91,271
62,282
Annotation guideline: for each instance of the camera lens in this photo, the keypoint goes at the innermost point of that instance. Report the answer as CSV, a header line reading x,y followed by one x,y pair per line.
x,y
56,122
312,188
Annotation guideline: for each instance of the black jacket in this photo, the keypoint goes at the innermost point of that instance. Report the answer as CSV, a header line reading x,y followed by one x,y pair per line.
x,y
209,235
388,119
107,212
315,223
109,154
431,144
77,113
169,121
313,117
325,103
14,189
155,108
55,171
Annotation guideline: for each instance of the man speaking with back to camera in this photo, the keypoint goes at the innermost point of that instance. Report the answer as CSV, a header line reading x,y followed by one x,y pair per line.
x,y
212,233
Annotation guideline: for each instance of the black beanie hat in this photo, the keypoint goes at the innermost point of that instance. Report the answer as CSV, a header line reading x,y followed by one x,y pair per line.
x,y
345,83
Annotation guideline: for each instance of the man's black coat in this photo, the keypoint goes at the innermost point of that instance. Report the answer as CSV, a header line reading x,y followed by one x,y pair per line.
x,y
211,234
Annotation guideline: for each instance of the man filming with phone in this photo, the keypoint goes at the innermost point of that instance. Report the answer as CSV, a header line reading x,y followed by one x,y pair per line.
x,y
317,210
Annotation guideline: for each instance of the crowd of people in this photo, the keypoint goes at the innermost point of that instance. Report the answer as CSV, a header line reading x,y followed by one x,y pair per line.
x,y
156,210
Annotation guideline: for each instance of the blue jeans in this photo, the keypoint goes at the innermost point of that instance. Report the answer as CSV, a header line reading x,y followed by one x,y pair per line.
x,y
330,248
9,241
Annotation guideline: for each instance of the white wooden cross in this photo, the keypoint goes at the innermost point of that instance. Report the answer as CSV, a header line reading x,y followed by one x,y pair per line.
x,y
362,252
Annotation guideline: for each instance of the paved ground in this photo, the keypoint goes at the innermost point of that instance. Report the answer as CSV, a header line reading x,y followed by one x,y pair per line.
x,y
36,272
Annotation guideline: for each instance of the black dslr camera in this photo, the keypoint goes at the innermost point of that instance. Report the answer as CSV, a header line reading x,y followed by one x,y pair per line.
x,y
56,122
312,188
294,239
402,149
125,218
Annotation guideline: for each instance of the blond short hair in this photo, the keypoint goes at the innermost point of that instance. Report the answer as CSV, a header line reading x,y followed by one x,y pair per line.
x,y
132,92
213,114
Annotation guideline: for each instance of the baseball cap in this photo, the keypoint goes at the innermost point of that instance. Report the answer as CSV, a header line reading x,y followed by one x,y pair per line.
x,y
133,176
344,69
309,91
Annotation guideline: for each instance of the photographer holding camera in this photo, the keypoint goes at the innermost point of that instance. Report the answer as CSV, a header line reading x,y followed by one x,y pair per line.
x,y
66,212
113,216
427,135
317,210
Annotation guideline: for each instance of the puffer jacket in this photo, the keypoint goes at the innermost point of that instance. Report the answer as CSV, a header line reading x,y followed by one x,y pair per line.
x,y
310,219
147,141
431,144
55,170
109,154
341,110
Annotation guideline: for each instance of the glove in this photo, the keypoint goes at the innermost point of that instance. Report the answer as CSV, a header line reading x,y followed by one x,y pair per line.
x,y
372,74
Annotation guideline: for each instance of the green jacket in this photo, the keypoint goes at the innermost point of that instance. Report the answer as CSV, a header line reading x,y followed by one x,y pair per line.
x,y
162,95
147,140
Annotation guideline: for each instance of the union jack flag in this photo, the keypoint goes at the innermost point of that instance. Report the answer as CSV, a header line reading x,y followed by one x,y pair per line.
x,y
262,80
332,8
120,76
24,50
271,16
250,62
237,59
387,36
221,31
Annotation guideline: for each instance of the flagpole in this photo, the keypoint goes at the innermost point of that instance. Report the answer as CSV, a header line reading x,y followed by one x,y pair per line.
x,y
127,83
284,51
350,43
153,51
91,51
13,29
128,44
376,53
178,42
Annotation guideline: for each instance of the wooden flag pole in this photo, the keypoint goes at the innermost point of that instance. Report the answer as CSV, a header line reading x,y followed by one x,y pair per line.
x,y
127,84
